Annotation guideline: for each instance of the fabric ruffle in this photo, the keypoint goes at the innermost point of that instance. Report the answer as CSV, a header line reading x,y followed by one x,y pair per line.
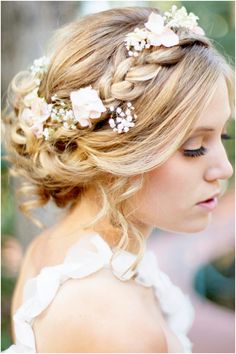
x,y
40,291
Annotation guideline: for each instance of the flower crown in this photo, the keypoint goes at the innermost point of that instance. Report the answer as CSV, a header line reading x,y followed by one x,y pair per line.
x,y
44,119
158,30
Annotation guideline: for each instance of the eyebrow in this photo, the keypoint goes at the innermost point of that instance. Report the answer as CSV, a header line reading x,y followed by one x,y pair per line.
x,y
208,129
200,129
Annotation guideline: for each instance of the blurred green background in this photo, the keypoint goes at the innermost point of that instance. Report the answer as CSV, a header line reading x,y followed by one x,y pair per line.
x,y
26,27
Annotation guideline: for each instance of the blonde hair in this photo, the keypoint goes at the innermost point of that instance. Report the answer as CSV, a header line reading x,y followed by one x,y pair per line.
x,y
169,87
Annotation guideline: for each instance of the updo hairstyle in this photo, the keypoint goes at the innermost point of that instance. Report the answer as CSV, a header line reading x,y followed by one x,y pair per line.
x,y
169,87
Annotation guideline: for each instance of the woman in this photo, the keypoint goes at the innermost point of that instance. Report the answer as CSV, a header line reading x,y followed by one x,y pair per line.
x,y
122,123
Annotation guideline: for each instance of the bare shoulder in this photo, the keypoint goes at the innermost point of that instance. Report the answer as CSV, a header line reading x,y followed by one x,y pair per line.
x,y
35,247
99,314
27,270
28,266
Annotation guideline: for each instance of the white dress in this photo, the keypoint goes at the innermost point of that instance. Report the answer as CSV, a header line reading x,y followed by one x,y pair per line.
x,y
41,290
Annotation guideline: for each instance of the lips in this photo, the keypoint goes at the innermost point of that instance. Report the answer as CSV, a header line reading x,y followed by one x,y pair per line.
x,y
209,205
210,198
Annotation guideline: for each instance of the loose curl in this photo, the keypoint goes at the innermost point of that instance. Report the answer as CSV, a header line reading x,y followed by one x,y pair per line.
x,y
169,87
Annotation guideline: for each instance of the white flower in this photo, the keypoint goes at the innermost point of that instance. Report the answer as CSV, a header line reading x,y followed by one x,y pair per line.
x,y
122,121
180,18
54,116
160,34
112,123
86,105
48,133
37,129
155,23
54,98
40,109
37,114
27,116
158,30
30,97
40,66
136,39
69,114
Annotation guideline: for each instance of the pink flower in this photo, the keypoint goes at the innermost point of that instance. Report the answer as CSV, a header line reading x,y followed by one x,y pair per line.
x,y
86,105
27,116
35,116
37,129
160,34
40,109
28,99
198,30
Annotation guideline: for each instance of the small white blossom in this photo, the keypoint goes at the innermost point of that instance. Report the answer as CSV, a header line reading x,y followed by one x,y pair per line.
x,y
69,114
122,121
129,118
54,116
48,133
40,66
50,107
112,123
54,98
180,18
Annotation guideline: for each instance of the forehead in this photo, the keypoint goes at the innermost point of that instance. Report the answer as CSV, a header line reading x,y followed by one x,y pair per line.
x,y
218,109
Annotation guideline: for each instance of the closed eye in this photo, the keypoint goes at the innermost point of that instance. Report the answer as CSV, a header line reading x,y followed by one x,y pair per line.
x,y
196,152
202,150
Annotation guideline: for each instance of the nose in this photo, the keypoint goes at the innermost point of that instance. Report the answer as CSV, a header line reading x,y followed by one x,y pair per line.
x,y
221,167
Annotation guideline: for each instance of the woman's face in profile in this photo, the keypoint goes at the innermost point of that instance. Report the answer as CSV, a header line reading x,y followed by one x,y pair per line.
x,y
170,197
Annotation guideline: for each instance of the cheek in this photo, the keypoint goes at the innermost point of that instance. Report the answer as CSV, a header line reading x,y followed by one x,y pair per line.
x,y
169,196
168,182
169,189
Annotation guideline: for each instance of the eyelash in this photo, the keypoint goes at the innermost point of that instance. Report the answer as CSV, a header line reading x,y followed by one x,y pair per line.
x,y
202,150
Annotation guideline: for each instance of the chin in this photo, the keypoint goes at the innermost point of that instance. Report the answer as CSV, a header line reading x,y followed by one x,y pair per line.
x,y
190,227
197,226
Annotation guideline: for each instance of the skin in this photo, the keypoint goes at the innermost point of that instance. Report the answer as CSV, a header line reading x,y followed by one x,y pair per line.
x,y
169,196
168,200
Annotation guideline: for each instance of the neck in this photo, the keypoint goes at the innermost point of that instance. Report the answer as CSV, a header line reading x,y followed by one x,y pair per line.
x,y
84,212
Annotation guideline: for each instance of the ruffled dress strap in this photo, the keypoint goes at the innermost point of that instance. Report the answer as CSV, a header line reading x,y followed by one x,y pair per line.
x,y
176,307
40,291
79,263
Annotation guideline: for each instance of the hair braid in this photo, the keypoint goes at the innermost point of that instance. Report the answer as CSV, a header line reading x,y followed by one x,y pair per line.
x,y
128,79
